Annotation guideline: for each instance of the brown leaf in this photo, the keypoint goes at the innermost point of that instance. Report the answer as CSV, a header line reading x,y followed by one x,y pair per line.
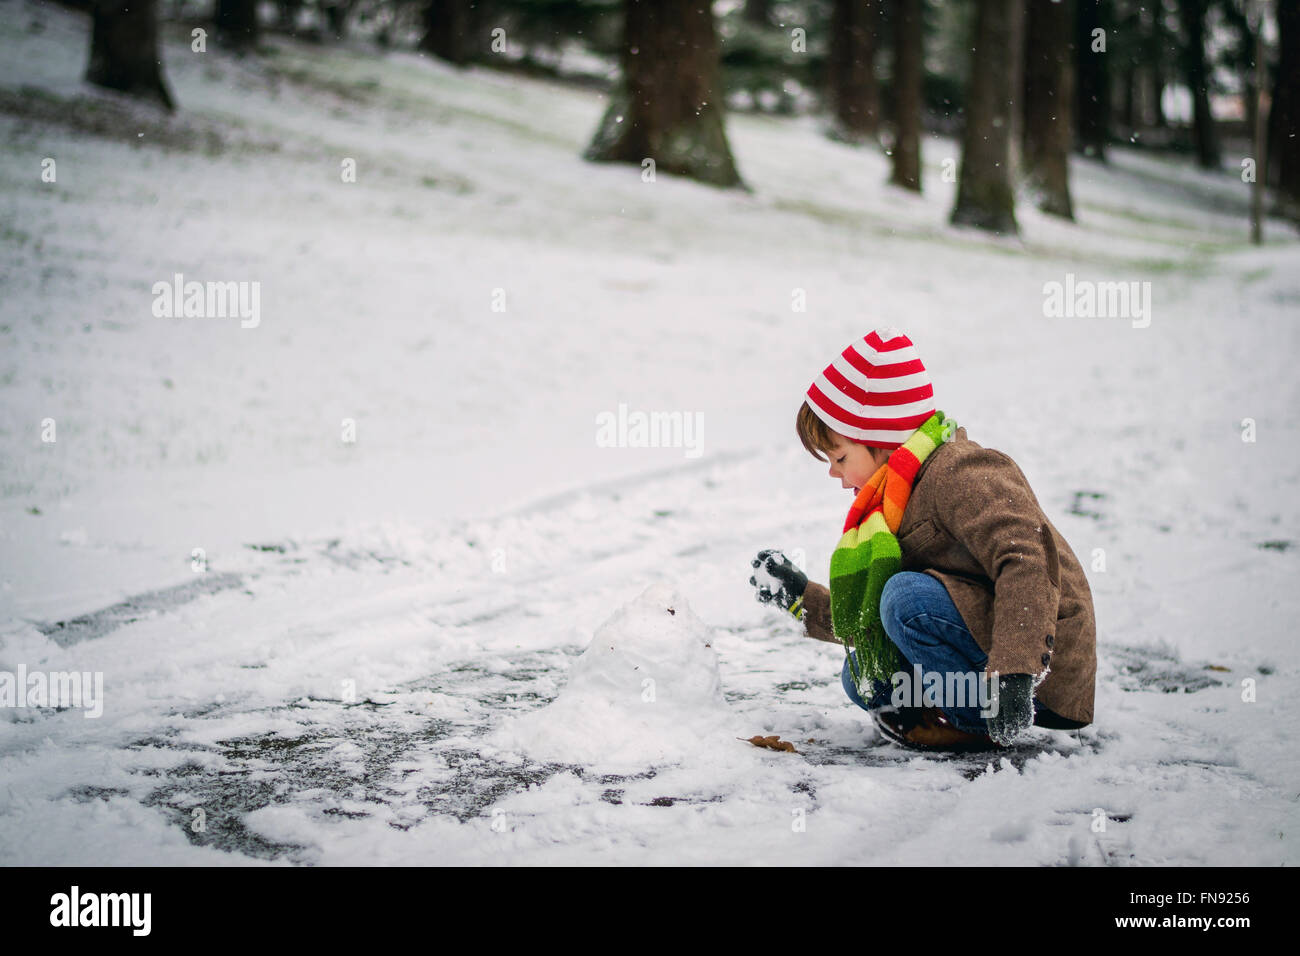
x,y
772,742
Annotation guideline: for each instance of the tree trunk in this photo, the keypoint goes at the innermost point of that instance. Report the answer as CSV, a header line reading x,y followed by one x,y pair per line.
x,y
287,14
1092,115
1251,96
1197,74
1284,115
668,105
447,30
336,15
124,52
758,12
908,69
236,24
985,195
1049,89
1015,58
851,78
1128,118
1259,79
1158,98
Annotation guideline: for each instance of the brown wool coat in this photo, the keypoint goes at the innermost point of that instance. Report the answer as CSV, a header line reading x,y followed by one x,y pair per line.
x,y
973,523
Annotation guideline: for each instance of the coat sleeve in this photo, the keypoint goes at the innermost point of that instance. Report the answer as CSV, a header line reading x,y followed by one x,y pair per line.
x,y
817,613
989,509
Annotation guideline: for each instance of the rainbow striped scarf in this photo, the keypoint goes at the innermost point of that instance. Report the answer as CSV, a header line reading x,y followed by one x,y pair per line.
x,y
868,555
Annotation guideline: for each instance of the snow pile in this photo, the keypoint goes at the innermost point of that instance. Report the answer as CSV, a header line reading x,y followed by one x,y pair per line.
x,y
645,691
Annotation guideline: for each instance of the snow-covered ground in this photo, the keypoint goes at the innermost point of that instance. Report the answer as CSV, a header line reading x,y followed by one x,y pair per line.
x,y
372,664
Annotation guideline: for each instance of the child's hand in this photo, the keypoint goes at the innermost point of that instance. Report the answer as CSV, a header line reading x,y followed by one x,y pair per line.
x,y
1015,708
778,581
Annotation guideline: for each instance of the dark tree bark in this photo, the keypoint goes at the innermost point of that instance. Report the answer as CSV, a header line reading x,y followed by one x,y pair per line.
x,y
668,105
758,12
447,31
236,24
124,54
1128,117
1092,105
1158,97
1197,74
336,15
1049,90
985,195
287,13
908,68
1283,159
1251,96
1257,69
851,78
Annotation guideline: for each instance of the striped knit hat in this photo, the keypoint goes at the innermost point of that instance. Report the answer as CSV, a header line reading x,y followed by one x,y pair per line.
x,y
876,392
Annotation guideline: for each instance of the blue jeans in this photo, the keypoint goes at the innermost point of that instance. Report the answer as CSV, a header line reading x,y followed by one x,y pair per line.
x,y
928,630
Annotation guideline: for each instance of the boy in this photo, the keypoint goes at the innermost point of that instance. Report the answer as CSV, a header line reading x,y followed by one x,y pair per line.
x,y
947,567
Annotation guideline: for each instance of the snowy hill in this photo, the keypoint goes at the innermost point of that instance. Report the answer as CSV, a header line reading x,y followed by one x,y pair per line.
x,y
321,680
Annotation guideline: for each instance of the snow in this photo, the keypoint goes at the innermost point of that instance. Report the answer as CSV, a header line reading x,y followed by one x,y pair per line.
x,y
763,578
645,692
384,651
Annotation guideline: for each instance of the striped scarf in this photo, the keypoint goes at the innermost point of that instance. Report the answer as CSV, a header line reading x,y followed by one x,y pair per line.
x,y
868,555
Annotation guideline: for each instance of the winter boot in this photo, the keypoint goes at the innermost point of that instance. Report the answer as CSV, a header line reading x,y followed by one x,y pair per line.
x,y
927,728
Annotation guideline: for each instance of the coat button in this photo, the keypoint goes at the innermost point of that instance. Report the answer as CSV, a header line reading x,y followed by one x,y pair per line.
x,y
1050,641
1046,659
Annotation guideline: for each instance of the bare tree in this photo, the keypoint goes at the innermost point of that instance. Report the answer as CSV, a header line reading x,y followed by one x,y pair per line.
x,y
1049,90
985,194
908,74
124,53
668,105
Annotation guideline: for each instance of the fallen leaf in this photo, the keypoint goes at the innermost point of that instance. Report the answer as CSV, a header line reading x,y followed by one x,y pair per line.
x,y
772,742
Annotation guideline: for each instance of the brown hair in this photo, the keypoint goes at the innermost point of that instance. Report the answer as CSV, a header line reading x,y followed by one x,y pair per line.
x,y
815,434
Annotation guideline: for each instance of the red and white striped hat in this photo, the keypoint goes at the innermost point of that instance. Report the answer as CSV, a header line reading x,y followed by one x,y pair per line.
x,y
876,392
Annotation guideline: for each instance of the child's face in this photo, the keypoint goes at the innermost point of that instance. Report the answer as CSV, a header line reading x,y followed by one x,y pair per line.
x,y
854,464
